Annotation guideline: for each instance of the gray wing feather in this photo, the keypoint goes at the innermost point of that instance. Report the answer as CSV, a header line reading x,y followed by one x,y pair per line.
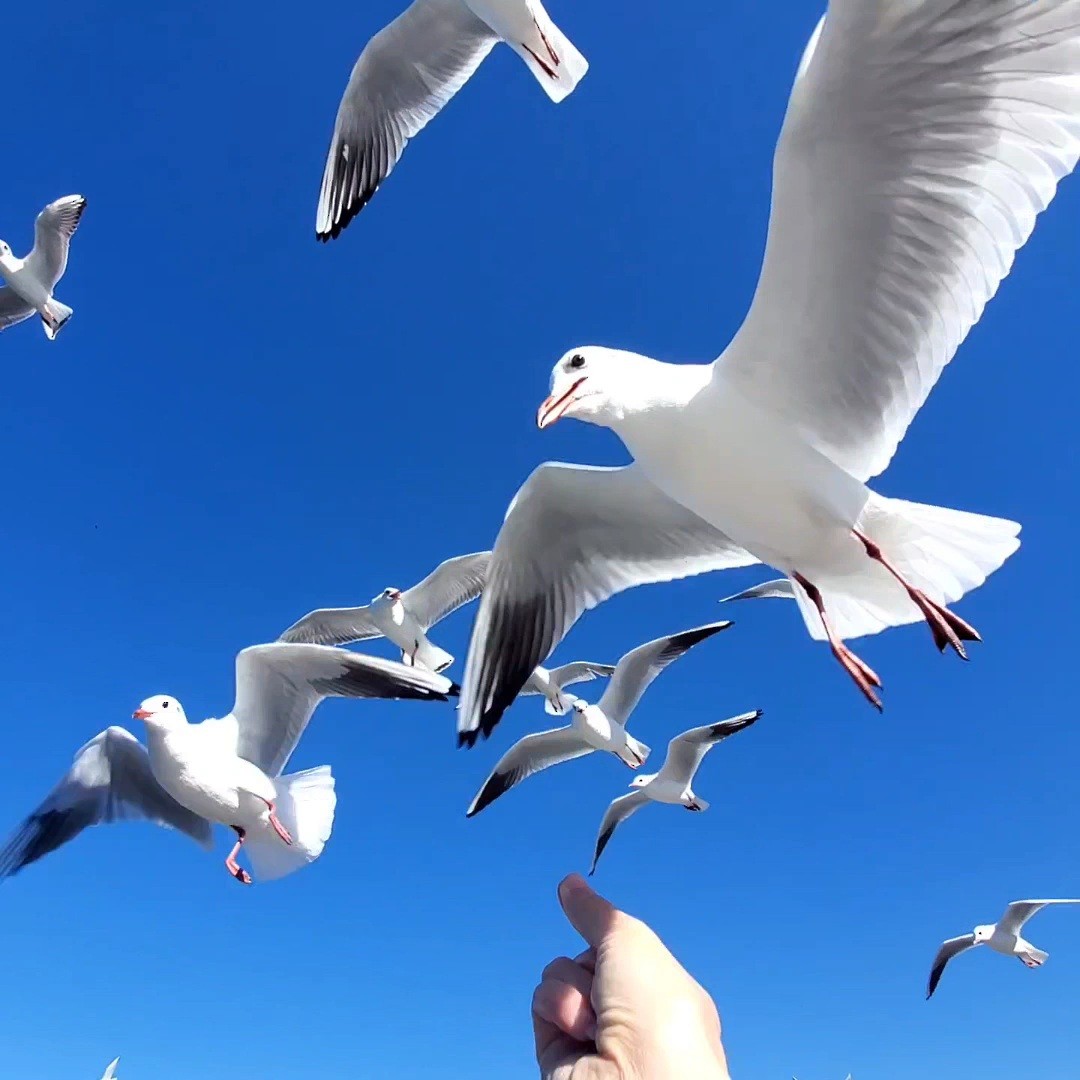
x,y
332,626
636,671
53,230
777,589
109,780
953,947
620,809
688,750
580,671
13,308
450,585
1019,911
279,686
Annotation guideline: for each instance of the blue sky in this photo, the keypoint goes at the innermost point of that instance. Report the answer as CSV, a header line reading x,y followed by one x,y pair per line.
x,y
240,424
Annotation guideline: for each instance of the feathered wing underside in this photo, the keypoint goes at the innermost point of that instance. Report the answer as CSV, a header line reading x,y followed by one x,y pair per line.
x,y
636,671
53,230
619,810
109,780
687,751
332,626
952,947
1019,911
279,686
921,141
580,671
404,77
450,585
13,308
573,537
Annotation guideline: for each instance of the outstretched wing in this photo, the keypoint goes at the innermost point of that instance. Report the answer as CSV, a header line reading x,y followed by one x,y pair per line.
x,y
332,626
13,308
109,780
450,585
578,672
616,814
1019,911
953,947
688,750
55,227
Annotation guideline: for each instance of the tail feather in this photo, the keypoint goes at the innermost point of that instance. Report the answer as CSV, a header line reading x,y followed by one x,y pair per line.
x,y
305,806
558,69
945,553
634,752
55,317
429,656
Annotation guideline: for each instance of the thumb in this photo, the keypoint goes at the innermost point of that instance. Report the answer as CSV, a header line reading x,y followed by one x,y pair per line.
x,y
589,913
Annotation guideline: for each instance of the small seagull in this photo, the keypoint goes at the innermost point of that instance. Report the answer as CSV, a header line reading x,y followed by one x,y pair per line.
x,y
550,681
406,74
1002,936
110,1072
30,281
225,771
672,783
777,589
403,617
594,727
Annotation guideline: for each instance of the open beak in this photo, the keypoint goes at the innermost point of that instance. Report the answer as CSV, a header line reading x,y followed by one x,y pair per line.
x,y
554,407
141,714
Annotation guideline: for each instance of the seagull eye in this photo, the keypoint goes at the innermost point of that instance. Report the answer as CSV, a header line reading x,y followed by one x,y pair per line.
x,y
577,361
164,704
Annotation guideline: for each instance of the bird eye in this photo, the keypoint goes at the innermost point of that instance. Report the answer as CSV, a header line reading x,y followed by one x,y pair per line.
x,y
164,704
577,361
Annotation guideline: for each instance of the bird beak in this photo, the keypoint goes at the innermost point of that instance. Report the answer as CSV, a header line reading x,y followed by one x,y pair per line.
x,y
396,594
141,714
553,407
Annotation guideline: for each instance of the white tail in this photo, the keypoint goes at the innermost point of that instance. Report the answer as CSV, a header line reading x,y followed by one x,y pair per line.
x,y
305,806
550,55
54,318
944,552
634,752
555,710
429,656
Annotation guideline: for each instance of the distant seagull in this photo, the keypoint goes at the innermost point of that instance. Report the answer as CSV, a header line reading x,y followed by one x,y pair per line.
x,y
225,771
594,727
403,617
30,281
550,682
110,1072
777,589
672,783
410,70
921,141
1002,936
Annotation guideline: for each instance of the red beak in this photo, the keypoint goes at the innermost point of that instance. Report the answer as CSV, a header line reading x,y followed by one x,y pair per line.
x,y
141,714
553,407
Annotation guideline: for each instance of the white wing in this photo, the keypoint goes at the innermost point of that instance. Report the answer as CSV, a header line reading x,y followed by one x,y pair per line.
x,y
13,308
530,755
777,589
637,669
573,536
578,672
1019,911
332,626
110,1072
619,810
109,780
405,75
53,230
278,688
921,140
450,585
953,947
687,751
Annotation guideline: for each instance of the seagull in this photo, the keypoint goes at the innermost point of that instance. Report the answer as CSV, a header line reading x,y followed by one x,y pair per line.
x,y
1002,936
403,617
30,281
110,1072
410,70
777,589
594,727
672,783
226,771
920,143
551,681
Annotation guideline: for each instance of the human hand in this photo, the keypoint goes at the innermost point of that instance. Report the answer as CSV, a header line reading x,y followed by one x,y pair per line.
x,y
625,1009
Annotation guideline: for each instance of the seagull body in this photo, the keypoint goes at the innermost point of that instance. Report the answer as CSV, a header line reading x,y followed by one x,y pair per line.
x,y
410,70
31,281
920,143
1003,937
552,681
594,727
225,771
402,617
673,784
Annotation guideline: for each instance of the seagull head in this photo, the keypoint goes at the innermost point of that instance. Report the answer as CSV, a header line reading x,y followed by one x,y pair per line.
x,y
161,711
983,934
589,383
6,254
643,781
388,596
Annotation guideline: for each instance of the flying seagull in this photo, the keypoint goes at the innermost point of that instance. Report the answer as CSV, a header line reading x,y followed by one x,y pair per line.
x,y
672,784
31,281
920,143
1002,936
551,682
410,70
403,617
226,771
594,727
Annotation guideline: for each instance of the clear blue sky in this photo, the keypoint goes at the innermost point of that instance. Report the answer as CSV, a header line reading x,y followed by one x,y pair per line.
x,y
240,424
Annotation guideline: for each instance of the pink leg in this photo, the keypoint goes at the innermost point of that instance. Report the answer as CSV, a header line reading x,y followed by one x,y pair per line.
x,y
278,827
864,676
948,629
547,67
547,45
232,865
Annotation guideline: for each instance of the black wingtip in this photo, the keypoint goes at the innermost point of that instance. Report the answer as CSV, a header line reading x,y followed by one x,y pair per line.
x,y
467,739
455,690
